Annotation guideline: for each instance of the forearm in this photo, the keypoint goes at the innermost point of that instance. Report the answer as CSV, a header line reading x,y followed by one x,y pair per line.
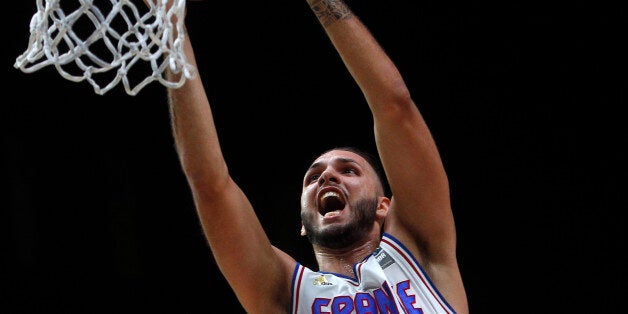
x,y
194,131
371,68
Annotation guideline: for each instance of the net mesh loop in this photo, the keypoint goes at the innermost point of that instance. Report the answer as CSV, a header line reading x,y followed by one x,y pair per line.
x,y
82,43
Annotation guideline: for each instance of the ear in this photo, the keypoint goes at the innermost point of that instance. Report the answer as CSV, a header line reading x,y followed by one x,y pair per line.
x,y
383,205
303,233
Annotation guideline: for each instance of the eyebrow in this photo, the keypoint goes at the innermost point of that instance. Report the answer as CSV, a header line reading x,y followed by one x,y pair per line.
x,y
339,159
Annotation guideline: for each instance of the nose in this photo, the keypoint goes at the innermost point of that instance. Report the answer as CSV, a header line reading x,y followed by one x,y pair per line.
x,y
327,176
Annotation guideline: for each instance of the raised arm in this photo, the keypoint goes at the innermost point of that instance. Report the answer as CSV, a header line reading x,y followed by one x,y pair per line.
x,y
420,213
258,273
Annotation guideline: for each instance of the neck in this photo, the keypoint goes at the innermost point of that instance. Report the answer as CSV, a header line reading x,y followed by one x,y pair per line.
x,y
341,261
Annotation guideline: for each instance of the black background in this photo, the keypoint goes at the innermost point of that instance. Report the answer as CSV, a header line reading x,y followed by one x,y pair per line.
x,y
524,99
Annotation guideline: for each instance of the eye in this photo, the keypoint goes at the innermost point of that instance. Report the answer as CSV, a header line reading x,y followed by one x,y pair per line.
x,y
350,170
313,177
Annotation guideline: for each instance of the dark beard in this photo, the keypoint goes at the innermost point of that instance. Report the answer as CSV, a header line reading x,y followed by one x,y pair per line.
x,y
341,236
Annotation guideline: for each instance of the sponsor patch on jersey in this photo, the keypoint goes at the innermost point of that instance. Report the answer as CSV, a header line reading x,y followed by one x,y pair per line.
x,y
321,280
383,258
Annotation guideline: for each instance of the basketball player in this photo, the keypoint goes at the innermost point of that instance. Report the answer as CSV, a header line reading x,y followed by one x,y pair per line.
x,y
375,254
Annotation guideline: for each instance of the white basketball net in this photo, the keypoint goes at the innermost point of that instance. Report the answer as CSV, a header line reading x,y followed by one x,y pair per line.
x,y
87,40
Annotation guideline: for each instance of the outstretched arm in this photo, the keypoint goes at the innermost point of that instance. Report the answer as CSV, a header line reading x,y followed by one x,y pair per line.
x,y
259,274
420,212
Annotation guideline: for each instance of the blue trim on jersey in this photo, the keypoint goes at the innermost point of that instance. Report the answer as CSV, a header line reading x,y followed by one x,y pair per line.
x,y
343,276
405,249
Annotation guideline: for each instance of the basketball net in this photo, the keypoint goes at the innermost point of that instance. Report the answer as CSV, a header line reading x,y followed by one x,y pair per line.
x,y
85,41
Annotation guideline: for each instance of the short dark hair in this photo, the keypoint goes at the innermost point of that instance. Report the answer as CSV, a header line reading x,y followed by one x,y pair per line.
x,y
373,161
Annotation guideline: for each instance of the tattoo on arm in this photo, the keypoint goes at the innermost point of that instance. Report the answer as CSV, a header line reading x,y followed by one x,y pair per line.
x,y
330,11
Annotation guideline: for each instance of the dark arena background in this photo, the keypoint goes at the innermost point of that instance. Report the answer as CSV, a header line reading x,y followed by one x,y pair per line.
x,y
524,99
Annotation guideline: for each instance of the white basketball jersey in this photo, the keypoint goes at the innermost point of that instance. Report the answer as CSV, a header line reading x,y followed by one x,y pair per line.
x,y
388,281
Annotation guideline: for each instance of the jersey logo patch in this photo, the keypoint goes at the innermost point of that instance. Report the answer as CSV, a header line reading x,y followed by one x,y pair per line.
x,y
383,258
321,280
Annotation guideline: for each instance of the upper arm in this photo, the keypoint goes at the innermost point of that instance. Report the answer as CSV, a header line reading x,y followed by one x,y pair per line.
x,y
420,210
259,274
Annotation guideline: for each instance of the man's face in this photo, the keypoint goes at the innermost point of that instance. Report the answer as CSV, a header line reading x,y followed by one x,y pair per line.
x,y
339,199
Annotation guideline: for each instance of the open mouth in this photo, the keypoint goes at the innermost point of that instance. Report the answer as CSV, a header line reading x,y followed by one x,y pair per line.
x,y
330,203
